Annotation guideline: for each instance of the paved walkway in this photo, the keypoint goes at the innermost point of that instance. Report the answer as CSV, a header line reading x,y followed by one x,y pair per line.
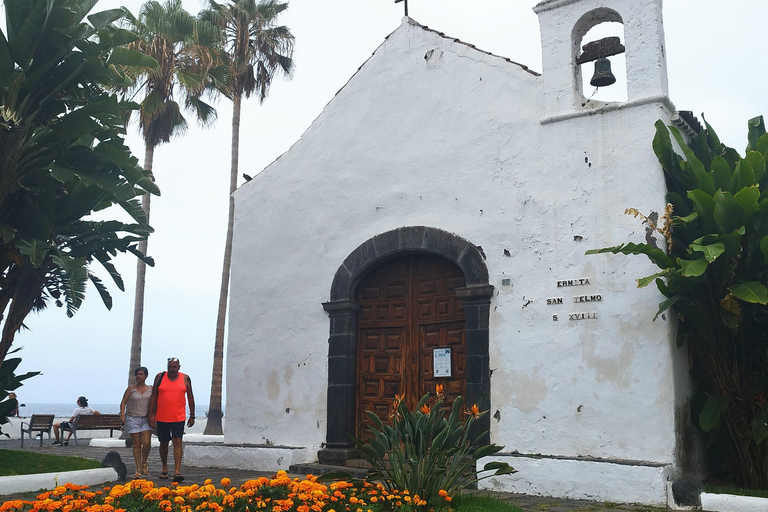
x,y
238,476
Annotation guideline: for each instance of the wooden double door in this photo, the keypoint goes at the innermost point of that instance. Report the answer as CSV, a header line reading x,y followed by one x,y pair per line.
x,y
408,308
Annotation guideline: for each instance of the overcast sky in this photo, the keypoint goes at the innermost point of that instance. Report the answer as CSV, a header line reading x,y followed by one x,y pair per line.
x,y
716,61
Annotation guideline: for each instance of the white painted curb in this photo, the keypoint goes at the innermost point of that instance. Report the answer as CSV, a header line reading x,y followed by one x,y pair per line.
x,y
732,503
106,442
48,481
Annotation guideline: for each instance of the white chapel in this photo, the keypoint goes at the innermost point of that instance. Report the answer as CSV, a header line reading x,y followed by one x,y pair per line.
x,y
430,227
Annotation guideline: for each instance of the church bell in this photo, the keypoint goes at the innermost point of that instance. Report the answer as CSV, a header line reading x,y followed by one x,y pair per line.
x,y
603,76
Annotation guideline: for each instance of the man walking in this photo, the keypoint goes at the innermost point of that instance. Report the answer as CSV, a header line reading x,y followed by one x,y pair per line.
x,y
167,412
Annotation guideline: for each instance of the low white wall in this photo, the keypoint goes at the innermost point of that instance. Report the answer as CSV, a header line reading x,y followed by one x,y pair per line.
x,y
732,503
621,482
259,458
47,481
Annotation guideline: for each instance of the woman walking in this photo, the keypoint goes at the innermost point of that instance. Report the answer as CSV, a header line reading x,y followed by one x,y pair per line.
x,y
134,410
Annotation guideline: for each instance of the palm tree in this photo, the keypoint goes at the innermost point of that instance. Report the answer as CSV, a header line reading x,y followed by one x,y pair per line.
x,y
185,48
258,48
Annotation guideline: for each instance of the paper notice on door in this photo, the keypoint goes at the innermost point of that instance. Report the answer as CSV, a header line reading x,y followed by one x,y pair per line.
x,y
441,362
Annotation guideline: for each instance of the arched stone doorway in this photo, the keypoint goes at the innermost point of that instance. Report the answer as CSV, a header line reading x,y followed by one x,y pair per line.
x,y
343,312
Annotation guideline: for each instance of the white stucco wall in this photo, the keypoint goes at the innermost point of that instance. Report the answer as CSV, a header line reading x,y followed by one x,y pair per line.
x,y
432,132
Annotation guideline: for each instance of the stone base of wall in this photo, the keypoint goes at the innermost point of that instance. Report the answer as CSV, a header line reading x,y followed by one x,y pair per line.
x,y
253,457
587,479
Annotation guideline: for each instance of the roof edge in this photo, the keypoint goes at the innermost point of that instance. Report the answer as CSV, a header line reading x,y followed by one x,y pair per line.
x,y
411,21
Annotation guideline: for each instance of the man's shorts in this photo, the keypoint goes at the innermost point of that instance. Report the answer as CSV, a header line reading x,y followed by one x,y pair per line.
x,y
167,431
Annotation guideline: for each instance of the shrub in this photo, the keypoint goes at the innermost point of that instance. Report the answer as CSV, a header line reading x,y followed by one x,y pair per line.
x,y
425,453
714,274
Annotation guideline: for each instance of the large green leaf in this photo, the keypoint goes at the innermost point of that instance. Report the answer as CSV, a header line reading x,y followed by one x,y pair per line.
x,y
753,292
693,268
757,162
756,129
704,205
747,198
6,232
721,173
711,252
728,214
656,255
743,176
713,409
125,57
662,146
764,248
104,18
665,305
760,428
645,281
34,249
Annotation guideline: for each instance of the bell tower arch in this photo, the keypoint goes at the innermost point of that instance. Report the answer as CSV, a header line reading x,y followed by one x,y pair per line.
x,y
563,25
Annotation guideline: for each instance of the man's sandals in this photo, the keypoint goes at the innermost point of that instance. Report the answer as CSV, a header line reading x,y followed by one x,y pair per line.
x,y
176,478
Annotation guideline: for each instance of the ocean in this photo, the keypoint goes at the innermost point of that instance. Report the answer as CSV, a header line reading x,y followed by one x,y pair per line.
x,y
65,410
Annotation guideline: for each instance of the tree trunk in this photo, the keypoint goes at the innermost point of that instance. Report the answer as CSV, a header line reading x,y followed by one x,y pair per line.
x,y
141,271
213,425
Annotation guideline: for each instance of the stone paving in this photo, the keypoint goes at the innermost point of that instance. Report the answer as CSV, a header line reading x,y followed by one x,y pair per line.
x,y
238,476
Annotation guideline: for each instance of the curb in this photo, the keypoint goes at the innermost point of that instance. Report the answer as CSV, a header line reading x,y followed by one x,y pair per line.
x,y
111,442
48,481
732,503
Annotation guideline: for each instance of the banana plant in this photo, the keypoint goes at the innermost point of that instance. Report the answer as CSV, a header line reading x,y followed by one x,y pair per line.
x,y
63,156
713,274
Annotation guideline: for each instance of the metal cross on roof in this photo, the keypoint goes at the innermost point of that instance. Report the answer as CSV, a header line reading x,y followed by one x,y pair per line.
x,y
406,5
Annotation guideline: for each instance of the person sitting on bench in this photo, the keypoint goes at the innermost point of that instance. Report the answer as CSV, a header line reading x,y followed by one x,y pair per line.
x,y
82,409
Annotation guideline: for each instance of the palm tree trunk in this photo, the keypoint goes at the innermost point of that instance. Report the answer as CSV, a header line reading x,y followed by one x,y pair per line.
x,y
141,271
213,425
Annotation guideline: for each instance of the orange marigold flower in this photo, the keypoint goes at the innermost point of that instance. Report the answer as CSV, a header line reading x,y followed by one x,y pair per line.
x,y
425,409
225,482
448,499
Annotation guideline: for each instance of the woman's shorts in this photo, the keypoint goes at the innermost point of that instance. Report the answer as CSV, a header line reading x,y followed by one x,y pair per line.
x,y
136,424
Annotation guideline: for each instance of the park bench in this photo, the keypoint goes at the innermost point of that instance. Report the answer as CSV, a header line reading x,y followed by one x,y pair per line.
x,y
109,422
38,423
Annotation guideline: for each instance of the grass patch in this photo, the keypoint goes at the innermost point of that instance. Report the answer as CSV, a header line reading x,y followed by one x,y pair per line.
x,y
14,462
738,491
475,503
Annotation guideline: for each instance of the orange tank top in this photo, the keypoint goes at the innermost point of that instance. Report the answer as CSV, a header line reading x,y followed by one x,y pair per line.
x,y
171,399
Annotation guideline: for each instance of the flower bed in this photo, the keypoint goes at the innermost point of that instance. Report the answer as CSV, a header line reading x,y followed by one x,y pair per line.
x,y
278,494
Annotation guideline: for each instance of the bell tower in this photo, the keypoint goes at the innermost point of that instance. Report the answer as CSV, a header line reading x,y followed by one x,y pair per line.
x,y
563,25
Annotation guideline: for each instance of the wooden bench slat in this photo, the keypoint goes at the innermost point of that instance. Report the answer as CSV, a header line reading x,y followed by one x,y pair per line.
x,y
109,422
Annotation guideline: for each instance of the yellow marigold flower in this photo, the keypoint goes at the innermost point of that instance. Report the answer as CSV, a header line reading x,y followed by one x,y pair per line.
x,y
225,482
207,481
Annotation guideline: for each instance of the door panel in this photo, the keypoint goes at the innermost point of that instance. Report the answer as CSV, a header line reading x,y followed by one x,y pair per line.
x,y
408,306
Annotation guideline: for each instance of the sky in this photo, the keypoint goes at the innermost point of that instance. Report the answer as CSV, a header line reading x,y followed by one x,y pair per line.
x,y
715,58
